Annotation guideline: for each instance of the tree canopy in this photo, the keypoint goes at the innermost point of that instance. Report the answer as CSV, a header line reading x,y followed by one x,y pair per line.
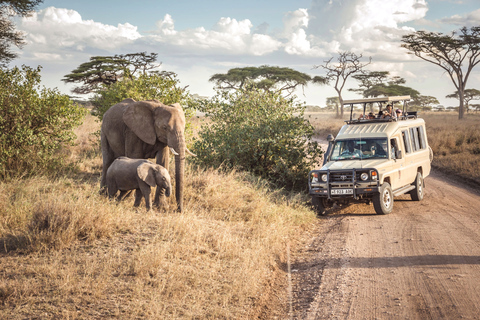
x,y
367,80
423,103
456,53
9,36
102,71
270,78
378,83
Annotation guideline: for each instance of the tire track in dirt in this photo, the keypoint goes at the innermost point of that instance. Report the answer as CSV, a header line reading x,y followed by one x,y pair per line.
x,y
420,262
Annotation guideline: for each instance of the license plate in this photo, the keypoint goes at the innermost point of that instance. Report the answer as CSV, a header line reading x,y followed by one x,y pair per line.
x,y
341,191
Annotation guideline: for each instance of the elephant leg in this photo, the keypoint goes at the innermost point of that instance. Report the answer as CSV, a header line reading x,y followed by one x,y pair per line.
x,y
121,196
138,197
163,160
107,157
145,191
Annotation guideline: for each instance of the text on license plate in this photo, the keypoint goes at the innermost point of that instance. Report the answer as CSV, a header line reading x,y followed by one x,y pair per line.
x,y
341,191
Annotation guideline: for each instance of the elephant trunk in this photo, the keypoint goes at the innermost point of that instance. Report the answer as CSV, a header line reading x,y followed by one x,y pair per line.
x,y
179,174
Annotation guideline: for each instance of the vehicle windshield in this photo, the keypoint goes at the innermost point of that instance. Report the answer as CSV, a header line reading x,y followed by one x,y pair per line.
x,y
359,149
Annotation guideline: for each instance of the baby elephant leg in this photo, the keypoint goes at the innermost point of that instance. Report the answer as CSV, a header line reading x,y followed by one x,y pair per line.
x,y
138,197
121,196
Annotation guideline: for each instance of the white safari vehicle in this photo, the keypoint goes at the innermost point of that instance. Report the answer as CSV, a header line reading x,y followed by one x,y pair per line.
x,y
374,158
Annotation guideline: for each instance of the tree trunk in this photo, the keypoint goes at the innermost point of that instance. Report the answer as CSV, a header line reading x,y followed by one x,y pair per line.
x,y
461,108
340,99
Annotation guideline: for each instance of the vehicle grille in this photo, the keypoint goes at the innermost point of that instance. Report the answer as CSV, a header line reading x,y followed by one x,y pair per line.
x,y
341,176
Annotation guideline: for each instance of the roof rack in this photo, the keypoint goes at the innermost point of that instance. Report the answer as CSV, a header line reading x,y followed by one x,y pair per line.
x,y
379,101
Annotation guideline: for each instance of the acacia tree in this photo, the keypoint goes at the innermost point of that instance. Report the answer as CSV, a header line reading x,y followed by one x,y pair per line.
x,y
102,71
468,95
367,80
423,103
8,35
457,53
348,64
269,78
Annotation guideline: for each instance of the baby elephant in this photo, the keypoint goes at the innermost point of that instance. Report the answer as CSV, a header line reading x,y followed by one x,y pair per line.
x,y
126,174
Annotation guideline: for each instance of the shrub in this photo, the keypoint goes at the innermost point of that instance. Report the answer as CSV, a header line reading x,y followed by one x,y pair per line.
x,y
258,131
144,87
35,122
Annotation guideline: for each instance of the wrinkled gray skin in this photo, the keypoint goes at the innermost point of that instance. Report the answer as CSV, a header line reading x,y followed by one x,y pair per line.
x,y
142,130
127,174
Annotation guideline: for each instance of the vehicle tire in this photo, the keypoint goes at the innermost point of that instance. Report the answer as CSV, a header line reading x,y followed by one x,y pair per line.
x,y
418,192
383,201
320,205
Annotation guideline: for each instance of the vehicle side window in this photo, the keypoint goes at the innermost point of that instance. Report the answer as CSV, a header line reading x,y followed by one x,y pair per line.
x,y
422,140
414,137
406,141
393,148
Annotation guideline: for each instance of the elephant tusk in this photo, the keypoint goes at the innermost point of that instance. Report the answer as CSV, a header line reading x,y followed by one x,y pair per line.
x,y
173,151
190,152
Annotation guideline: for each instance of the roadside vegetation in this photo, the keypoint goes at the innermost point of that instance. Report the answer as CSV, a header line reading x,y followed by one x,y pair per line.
x,y
68,252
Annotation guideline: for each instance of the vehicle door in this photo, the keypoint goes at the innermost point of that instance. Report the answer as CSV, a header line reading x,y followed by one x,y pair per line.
x,y
397,158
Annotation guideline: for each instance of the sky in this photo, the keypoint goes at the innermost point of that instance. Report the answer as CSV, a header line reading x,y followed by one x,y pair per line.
x,y
197,39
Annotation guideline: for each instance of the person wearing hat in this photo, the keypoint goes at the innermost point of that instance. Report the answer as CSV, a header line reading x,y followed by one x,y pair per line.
x,y
389,114
398,113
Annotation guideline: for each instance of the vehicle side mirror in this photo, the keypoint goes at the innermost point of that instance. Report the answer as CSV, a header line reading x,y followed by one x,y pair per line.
x,y
330,138
398,154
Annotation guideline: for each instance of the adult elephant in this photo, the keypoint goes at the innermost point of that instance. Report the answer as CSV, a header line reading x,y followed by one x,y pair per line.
x,y
142,130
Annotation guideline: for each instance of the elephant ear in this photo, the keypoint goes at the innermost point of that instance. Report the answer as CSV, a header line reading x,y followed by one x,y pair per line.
x,y
145,173
139,118
177,106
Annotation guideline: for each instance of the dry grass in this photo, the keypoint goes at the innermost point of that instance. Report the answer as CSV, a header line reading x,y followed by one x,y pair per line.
x,y
455,143
68,253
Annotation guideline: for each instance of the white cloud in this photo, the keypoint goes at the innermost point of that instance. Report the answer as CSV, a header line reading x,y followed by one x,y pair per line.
x,y
228,36
470,19
53,29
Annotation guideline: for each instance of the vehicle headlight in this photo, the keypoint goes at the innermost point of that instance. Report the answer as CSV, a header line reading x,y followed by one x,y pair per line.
x,y
324,177
364,176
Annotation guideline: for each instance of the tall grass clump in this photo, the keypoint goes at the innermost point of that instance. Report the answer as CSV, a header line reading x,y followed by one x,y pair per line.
x,y
35,124
260,132
39,214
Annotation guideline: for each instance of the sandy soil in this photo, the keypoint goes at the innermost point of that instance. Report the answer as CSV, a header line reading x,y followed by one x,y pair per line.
x,y
420,262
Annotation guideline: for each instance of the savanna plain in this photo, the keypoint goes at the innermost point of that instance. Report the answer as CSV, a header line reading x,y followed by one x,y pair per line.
x,y
67,252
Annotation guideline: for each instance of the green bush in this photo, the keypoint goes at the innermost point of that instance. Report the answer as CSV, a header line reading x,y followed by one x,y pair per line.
x,y
164,88
258,131
34,123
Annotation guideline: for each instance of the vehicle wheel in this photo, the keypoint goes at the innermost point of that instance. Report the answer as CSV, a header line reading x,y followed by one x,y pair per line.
x,y
383,201
320,205
418,192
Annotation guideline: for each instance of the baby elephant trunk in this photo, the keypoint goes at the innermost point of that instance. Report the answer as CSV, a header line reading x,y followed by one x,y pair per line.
x,y
163,180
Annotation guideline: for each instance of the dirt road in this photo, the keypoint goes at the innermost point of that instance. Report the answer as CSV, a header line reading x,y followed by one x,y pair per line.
x,y
420,262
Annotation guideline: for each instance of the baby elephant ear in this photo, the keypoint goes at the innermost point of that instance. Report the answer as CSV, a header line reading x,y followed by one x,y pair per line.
x,y
145,173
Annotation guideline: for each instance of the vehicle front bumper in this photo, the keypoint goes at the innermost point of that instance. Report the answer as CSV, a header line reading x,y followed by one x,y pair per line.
x,y
350,185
